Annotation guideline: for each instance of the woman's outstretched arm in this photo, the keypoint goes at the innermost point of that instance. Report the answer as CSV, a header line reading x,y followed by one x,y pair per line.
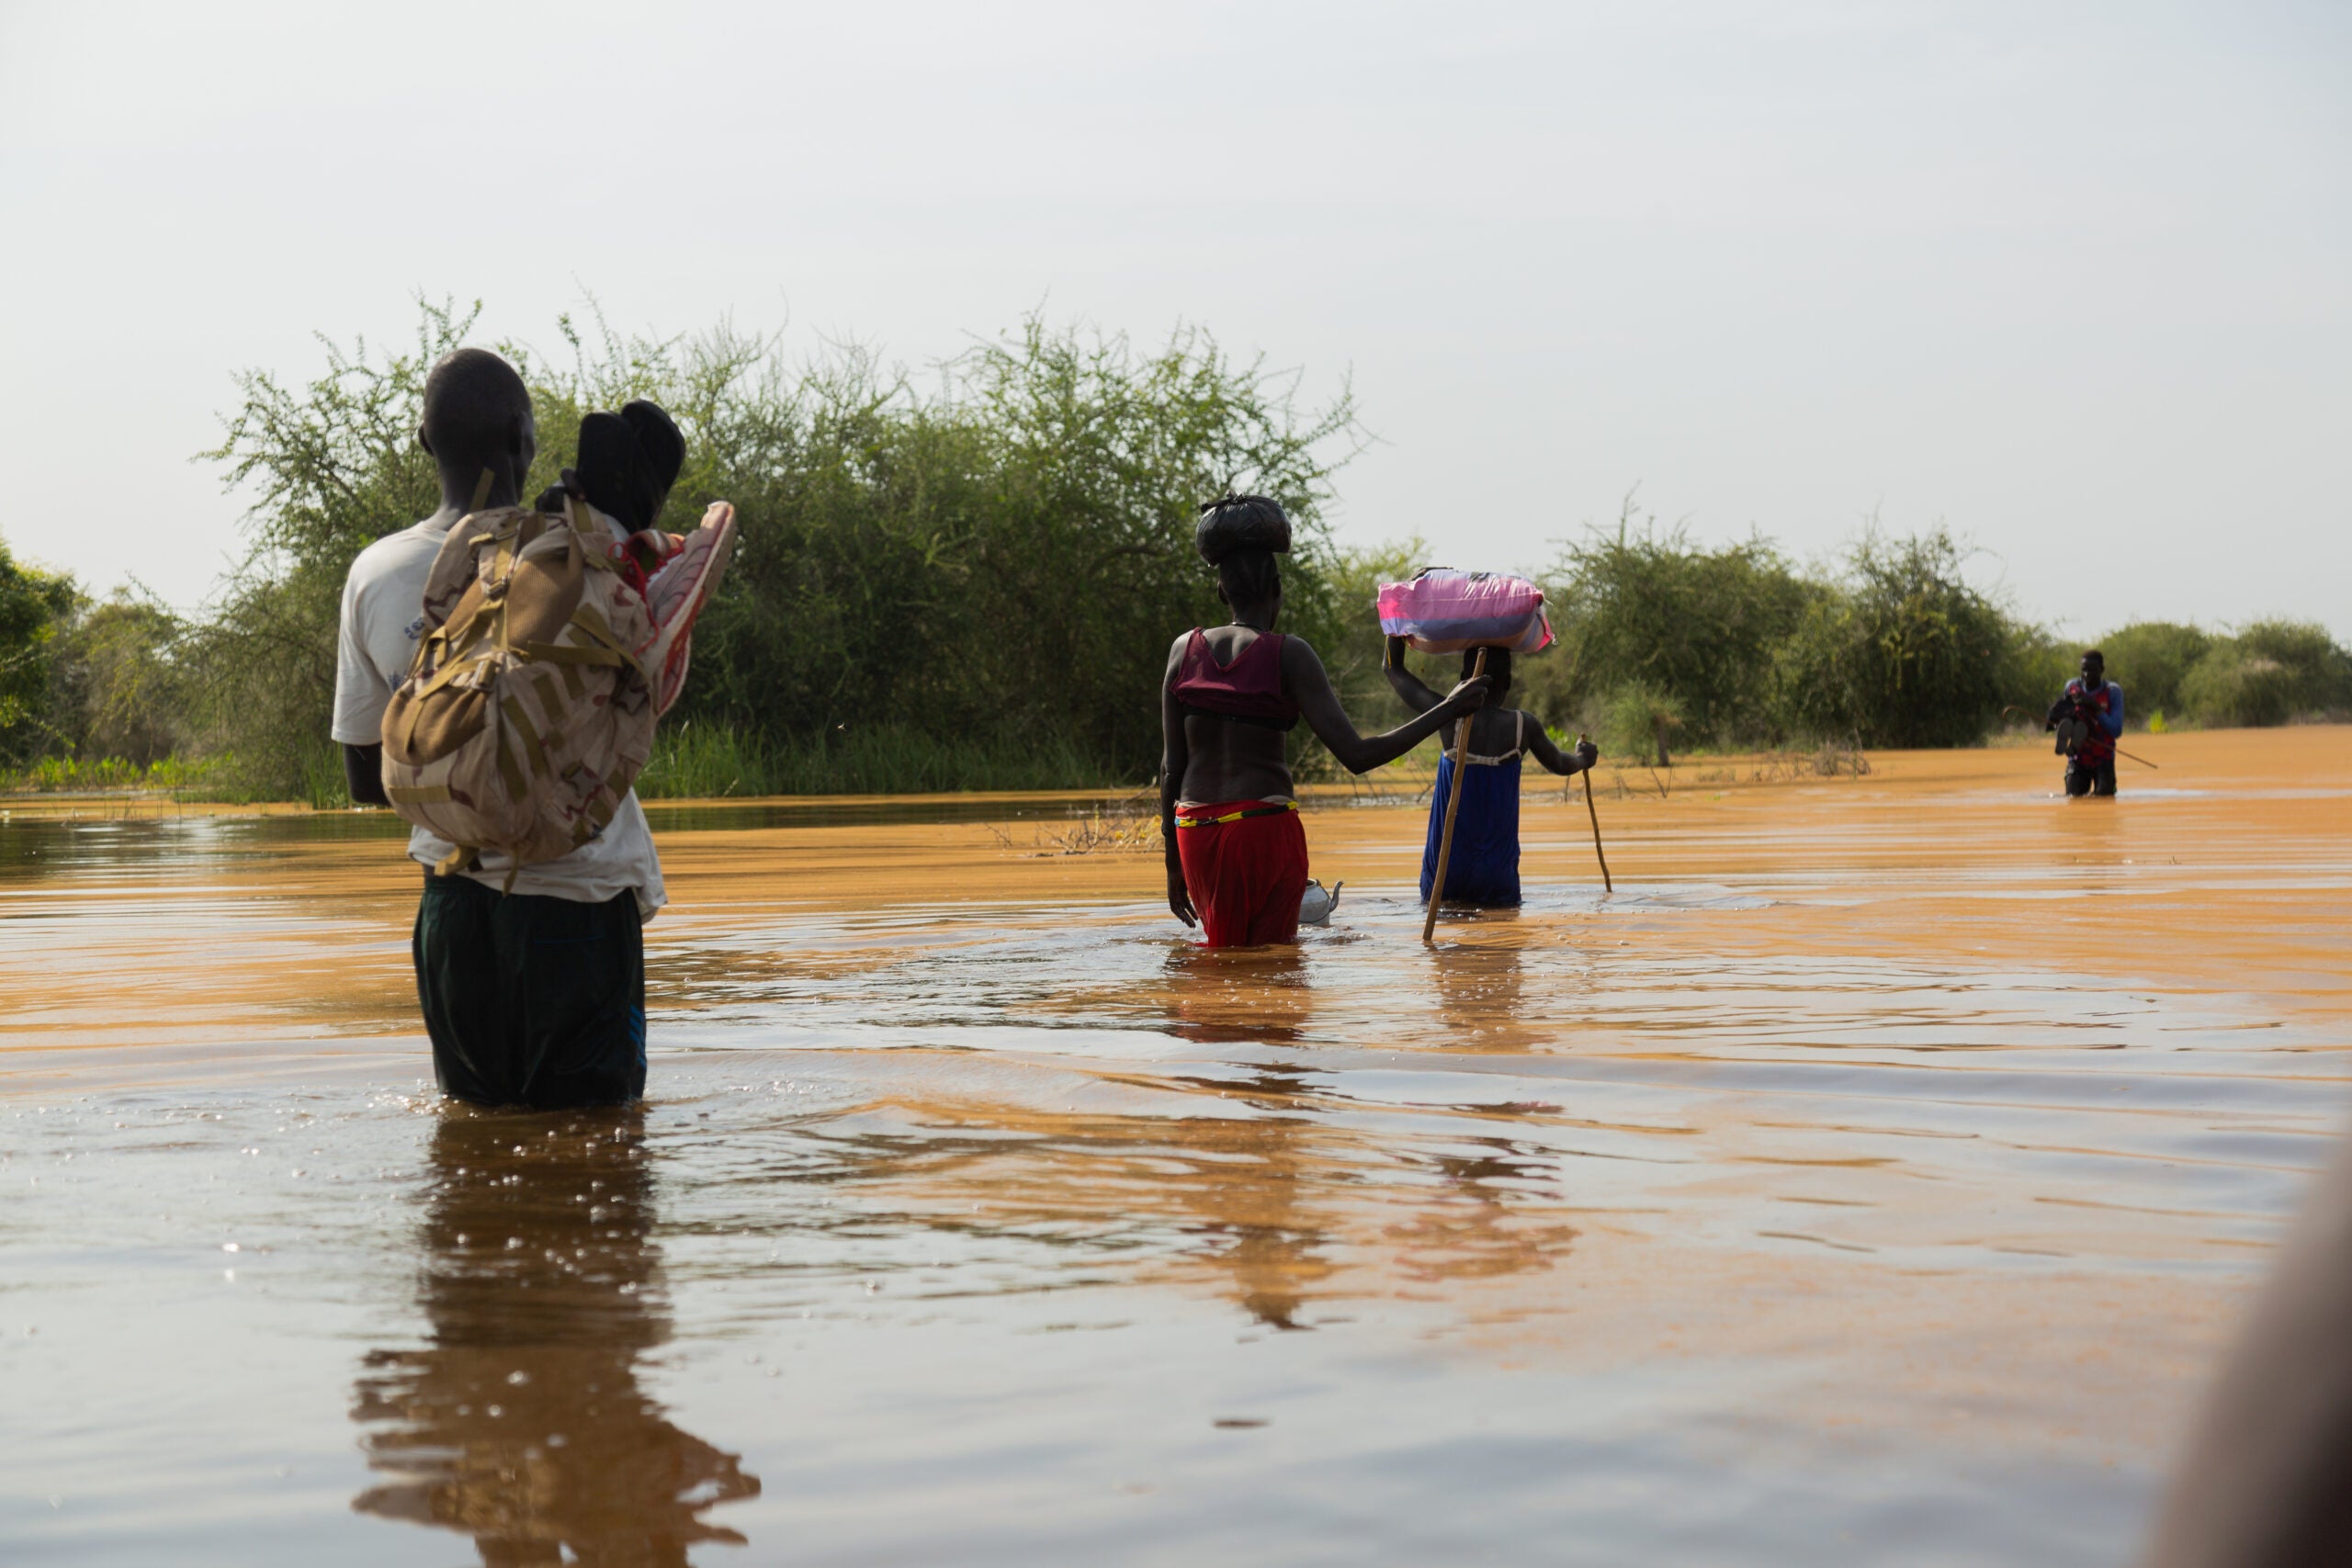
x,y
1310,687
1576,761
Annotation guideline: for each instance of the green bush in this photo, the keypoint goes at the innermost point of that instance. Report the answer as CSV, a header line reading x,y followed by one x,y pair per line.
x,y
2037,669
119,689
34,605
1640,611
2270,672
702,760
2229,689
2149,660
1638,722
1901,653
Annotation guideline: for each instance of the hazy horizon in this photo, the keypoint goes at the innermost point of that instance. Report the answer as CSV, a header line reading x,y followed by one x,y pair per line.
x,y
2074,285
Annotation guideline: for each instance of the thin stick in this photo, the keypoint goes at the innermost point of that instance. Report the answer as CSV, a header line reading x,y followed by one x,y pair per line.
x,y
1607,885
1452,805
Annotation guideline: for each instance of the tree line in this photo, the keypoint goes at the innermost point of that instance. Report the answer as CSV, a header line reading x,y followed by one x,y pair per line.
x,y
970,582
1664,641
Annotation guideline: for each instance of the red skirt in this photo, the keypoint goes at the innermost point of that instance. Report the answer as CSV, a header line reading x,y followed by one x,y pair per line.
x,y
1247,875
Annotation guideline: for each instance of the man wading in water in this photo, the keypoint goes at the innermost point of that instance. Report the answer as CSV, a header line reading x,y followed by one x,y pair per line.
x,y
1485,866
1237,855
2088,718
535,995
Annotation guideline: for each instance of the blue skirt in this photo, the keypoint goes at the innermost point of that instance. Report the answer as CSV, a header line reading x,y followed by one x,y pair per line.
x,y
1484,867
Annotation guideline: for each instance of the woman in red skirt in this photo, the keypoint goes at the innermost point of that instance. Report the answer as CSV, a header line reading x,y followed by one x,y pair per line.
x,y
1237,855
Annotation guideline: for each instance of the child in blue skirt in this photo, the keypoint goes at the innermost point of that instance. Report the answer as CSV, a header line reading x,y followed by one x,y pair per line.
x,y
1484,869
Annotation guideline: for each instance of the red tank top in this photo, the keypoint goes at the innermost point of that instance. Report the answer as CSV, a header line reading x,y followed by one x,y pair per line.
x,y
1248,689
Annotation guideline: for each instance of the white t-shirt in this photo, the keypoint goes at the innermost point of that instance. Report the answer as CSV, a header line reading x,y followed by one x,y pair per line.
x,y
383,616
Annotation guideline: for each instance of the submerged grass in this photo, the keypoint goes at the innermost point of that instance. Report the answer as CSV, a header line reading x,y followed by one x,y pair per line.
x,y
691,761
68,775
707,762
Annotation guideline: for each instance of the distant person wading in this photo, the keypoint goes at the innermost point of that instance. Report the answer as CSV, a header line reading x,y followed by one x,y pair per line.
x,y
1236,853
2088,719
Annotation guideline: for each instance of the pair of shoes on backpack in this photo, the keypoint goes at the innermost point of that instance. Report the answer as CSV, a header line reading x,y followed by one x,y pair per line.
x,y
628,462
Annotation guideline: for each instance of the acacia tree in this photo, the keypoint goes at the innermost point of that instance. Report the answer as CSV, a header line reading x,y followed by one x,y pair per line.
x,y
119,686
1904,653
1647,618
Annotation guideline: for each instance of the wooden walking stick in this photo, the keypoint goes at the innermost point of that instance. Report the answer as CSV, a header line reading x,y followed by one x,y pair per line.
x,y
1607,885
1452,805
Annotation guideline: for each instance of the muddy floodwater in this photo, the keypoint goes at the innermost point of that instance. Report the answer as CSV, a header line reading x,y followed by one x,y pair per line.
x,y
1873,1178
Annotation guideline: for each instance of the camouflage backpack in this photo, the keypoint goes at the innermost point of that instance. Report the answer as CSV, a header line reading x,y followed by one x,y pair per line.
x,y
551,649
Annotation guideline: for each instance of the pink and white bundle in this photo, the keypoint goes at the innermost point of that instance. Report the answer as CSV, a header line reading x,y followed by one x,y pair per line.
x,y
1446,612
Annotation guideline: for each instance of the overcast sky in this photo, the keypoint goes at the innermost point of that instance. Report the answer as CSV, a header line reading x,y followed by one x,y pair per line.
x,y
2072,279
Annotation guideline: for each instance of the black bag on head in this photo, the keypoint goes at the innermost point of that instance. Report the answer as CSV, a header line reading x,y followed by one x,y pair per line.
x,y
1235,523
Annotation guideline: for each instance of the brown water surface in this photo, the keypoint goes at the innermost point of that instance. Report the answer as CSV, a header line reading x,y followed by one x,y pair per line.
x,y
1873,1178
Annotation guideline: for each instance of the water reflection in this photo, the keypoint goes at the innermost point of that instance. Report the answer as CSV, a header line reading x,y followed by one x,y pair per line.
x,y
1474,1229
1480,986
1230,996
521,1423
1250,1175
1250,1194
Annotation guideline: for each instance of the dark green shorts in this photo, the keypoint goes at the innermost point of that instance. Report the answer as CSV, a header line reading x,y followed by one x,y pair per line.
x,y
531,1000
